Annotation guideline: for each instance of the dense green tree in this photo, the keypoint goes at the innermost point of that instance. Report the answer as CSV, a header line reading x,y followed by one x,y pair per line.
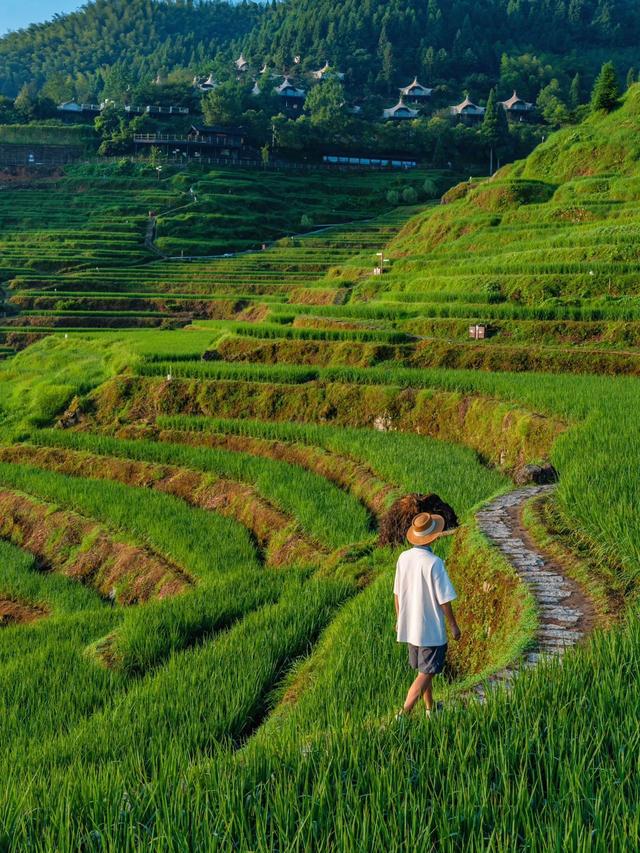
x,y
30,105
632,76
606,91
227,103
552,105
117,82
142,35
575,92
8,114
326,104
26,104
112,47
494,130
525,73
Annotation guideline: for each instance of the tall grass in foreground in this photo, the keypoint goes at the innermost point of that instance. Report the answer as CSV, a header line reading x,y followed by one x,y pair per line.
x,y
210,693
550,766
45,659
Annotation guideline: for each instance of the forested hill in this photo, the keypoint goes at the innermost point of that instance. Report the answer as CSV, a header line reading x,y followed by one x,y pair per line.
x,y
380,44
144,36
377,40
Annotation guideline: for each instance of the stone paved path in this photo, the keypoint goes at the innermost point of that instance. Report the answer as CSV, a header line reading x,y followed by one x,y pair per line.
x,y
565,615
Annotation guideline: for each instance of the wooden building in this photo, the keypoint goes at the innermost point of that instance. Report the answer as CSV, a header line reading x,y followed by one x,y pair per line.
x,y
400,112
207,85
517,108
467,112
222,144
415,93
242,66
325,72
292,98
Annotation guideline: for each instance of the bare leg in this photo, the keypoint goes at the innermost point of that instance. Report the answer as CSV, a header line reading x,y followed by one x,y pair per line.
x,y
427,694
421,686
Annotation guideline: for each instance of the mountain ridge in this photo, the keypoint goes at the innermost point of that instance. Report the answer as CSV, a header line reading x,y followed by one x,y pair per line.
x,y
461,45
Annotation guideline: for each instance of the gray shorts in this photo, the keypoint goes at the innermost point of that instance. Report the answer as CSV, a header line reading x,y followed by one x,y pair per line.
x,y
429,660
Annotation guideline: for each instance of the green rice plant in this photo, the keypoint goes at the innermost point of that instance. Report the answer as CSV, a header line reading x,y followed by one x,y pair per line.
x,y
232,692
605,406
321,509
255,711
269,330
222,370
415,463
446,783
22,580
216,551
203,544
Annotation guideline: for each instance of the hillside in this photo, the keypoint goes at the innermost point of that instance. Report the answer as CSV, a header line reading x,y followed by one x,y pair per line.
x,y
141,36
379,41
379,45
201,461
554,233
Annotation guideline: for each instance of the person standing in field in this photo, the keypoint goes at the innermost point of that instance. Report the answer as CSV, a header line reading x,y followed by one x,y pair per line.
x,y
423,594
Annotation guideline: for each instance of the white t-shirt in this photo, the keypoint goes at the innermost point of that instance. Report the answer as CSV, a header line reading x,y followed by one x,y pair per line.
x,y
422,585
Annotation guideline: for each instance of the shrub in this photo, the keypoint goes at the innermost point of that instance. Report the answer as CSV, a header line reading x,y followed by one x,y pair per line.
x,y
430,188
409,195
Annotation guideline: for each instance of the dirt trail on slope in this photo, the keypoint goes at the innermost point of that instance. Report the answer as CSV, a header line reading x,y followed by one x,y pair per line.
x,y
566,614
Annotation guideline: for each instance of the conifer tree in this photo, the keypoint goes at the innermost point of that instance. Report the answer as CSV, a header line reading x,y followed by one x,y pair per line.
x,y
494,127
606,91
575,92
632,77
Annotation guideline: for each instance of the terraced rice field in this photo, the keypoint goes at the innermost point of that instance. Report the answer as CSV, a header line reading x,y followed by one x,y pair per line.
x,y
197,460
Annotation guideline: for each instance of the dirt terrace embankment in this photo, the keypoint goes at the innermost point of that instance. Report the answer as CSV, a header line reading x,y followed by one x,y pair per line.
x,y
83,550
275,533
503,434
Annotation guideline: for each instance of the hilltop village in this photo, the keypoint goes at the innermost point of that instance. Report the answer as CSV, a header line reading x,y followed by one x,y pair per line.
x,y
253,115
415,100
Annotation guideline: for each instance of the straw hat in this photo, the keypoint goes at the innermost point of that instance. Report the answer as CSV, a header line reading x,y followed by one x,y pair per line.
x,y
425,529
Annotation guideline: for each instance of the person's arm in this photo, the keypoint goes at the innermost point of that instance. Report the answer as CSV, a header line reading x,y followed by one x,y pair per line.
x,y
445,594
447,609
396,597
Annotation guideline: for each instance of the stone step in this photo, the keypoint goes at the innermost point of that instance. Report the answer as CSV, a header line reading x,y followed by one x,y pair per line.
x,y
569,615
553,598
560,633
542,586
506,674
547,580
555,647
530,574
526,559
496,531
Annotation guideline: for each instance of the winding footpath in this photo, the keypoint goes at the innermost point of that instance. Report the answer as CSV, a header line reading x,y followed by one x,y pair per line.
x,y
565,614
